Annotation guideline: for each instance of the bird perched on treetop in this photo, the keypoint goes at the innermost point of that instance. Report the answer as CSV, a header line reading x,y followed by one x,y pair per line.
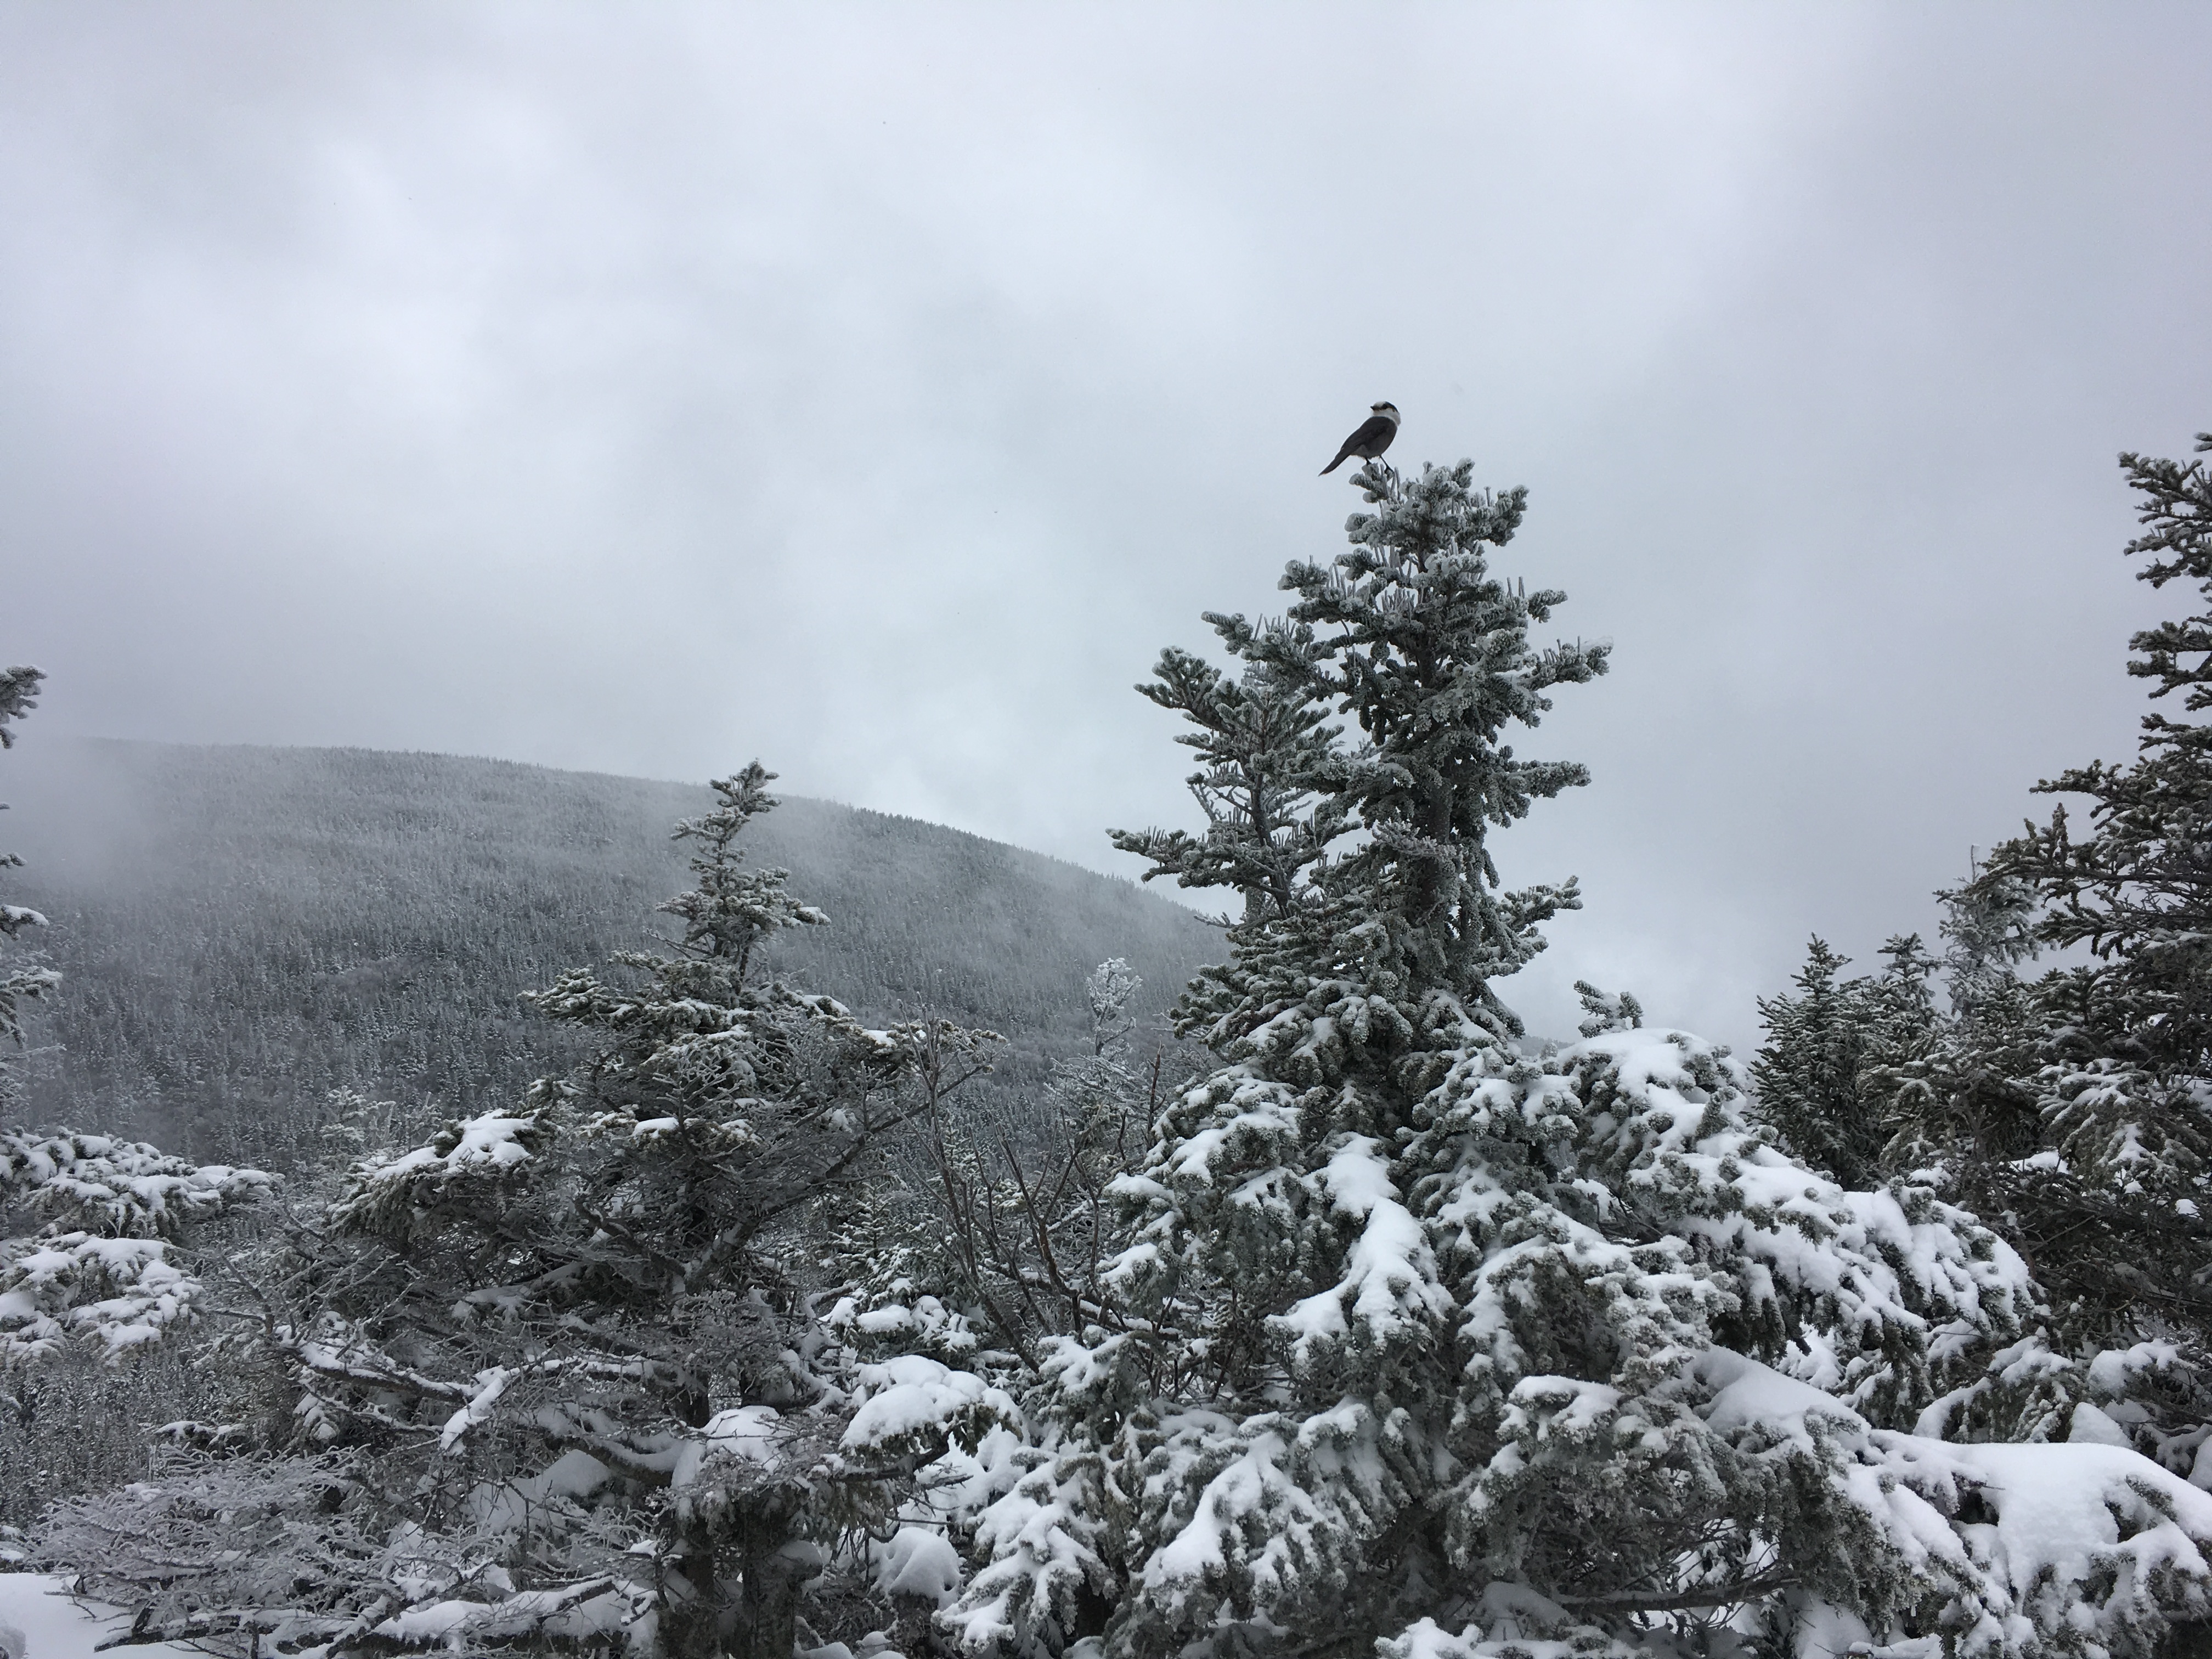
x,y
1372,440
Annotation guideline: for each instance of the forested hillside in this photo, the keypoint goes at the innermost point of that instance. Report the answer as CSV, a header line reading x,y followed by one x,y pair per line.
x,y
243,931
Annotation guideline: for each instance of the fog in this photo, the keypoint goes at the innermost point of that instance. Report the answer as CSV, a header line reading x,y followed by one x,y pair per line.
x,y
877,390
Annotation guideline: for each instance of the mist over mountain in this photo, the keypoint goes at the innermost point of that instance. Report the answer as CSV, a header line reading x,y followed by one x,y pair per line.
x,y
243,931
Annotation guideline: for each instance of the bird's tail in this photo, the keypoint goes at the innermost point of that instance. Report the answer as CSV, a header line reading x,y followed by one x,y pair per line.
x,y
1335,464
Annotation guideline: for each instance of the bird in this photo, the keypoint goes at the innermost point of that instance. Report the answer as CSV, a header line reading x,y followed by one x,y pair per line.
x,y
1372,440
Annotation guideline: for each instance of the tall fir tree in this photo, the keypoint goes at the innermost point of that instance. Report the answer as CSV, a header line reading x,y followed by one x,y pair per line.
x,y
1807,1071
2108,1179
2128,1102
1419,1343
1959,1090
1842,1055
2137,889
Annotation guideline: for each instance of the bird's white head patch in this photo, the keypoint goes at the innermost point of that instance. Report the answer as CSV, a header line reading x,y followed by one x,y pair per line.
x,y
1388,410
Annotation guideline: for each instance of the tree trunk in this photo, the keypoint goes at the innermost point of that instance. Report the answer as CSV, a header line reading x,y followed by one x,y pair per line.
x,y
689,1625
773,1566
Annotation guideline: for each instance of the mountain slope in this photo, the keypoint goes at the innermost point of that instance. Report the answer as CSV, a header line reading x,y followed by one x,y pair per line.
x,y
243,931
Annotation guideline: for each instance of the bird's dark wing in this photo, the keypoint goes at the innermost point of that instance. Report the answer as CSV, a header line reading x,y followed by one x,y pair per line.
x,y
1372,440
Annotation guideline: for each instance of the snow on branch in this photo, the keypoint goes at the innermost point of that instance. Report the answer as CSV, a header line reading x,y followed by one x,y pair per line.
x,y
121,1188
115,1294
910,1402
2073,1544
463,1162
103,1271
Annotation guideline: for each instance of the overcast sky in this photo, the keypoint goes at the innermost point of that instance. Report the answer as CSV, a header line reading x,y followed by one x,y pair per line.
x,y
876,389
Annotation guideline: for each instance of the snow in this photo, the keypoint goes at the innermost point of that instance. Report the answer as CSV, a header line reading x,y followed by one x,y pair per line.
x,y
490,1385
103,1184
399,1191
747,1433
1568,1407
591,1607
1389,1279
54,1627
926,1323
912,1395
1512,1633
1256,1117
1750,1395
434,1621
917,1561
1830,1632
1255,1493
571,1478
2092,1536
2092,1427
2110,1372
493,1141
1036,1522
2059,1509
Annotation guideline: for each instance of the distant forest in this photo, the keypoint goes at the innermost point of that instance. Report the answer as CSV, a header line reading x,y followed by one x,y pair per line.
x,y
249,935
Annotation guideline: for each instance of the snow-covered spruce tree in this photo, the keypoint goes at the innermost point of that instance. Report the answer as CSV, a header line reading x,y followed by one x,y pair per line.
x,y
1808,1069
2137,890
2128,1093
1813,1071
2081,1117
1422,1342
1955,1089
561,1364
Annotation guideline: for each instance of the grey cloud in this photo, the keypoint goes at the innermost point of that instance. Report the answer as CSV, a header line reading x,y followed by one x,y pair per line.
x,y
878,389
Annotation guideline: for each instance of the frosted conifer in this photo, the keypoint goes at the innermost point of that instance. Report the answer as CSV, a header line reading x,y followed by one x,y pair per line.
x,y
1959,1091
1420,1345
2137,890
1837,1052
1808,1070
2127,1090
